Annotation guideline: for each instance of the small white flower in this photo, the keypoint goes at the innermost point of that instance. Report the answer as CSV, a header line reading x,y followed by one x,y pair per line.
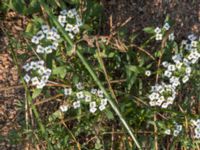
x,y
54,45
93,104
80,95
158,37
194,43
75,29
35,40
185,79
177,58
156,95
171,37
67,91
27,78
193,122
148,73
175,133
151,97
68,27
40,49
192,37
45,28
165,105
40,85
186,61
197,136
168,131
157,30
40,35
102,107
34,65
74,11
70,13
27,67
41,70
48,50
179,65
44,78
179,127
76,104
167,73
188,70
104,101
165,64
100,93
88,98
159,102
63,12
71,35
40,63
166,26
54,30
79,86
170,100
152,103
35,81
198,122
50,35
93,91
64,108
171,67
62,19
93,109
188,47
78,21
56,37
47,72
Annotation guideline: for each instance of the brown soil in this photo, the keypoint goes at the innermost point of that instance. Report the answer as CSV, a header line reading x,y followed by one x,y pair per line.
x,y
186,14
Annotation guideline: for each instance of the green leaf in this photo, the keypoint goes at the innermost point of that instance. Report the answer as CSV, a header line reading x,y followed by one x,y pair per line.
x,y
36,93
98,144
56,115
61,71
149,30
18,5
133,68
29,28
109,114
34,7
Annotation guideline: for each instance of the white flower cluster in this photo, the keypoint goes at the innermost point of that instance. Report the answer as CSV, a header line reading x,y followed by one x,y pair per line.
x,y
162,95
94,97
37,73
71,21
175,73
48,37
196,123
47,40
178,128
159,32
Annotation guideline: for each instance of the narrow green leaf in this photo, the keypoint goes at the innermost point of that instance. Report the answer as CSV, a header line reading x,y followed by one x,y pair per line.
x,y
36,93
149,30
